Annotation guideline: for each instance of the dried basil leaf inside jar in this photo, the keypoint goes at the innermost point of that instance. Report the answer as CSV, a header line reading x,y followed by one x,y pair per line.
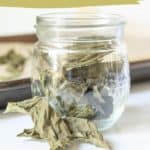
x,y
82,74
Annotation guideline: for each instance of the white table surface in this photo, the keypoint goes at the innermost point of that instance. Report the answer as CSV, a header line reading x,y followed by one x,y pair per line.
x,y
132,131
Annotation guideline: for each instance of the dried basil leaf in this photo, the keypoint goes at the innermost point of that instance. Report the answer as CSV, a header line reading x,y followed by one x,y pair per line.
x,y
81,111
14,63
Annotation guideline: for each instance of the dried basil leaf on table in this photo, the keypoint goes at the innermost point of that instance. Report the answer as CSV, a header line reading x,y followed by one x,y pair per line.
x,y
14,63
57,131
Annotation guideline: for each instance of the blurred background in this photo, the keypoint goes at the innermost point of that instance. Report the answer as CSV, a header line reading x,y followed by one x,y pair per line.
x,y
20,21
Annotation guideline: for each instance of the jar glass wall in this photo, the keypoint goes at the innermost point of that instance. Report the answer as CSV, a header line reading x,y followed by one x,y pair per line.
x,y
81,60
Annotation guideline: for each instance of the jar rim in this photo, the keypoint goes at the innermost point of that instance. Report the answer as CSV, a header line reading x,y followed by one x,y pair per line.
x,y
79,20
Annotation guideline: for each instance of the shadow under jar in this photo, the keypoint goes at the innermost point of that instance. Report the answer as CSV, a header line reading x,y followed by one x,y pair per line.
x,y
81,61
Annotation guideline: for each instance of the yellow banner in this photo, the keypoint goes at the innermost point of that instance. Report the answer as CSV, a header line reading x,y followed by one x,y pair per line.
x,y
62,3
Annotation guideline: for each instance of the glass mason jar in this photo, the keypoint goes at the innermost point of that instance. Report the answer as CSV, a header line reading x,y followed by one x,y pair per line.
x,y
80,59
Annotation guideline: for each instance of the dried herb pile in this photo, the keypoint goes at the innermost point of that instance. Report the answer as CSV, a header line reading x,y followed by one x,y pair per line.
x,y
59,132
14,64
